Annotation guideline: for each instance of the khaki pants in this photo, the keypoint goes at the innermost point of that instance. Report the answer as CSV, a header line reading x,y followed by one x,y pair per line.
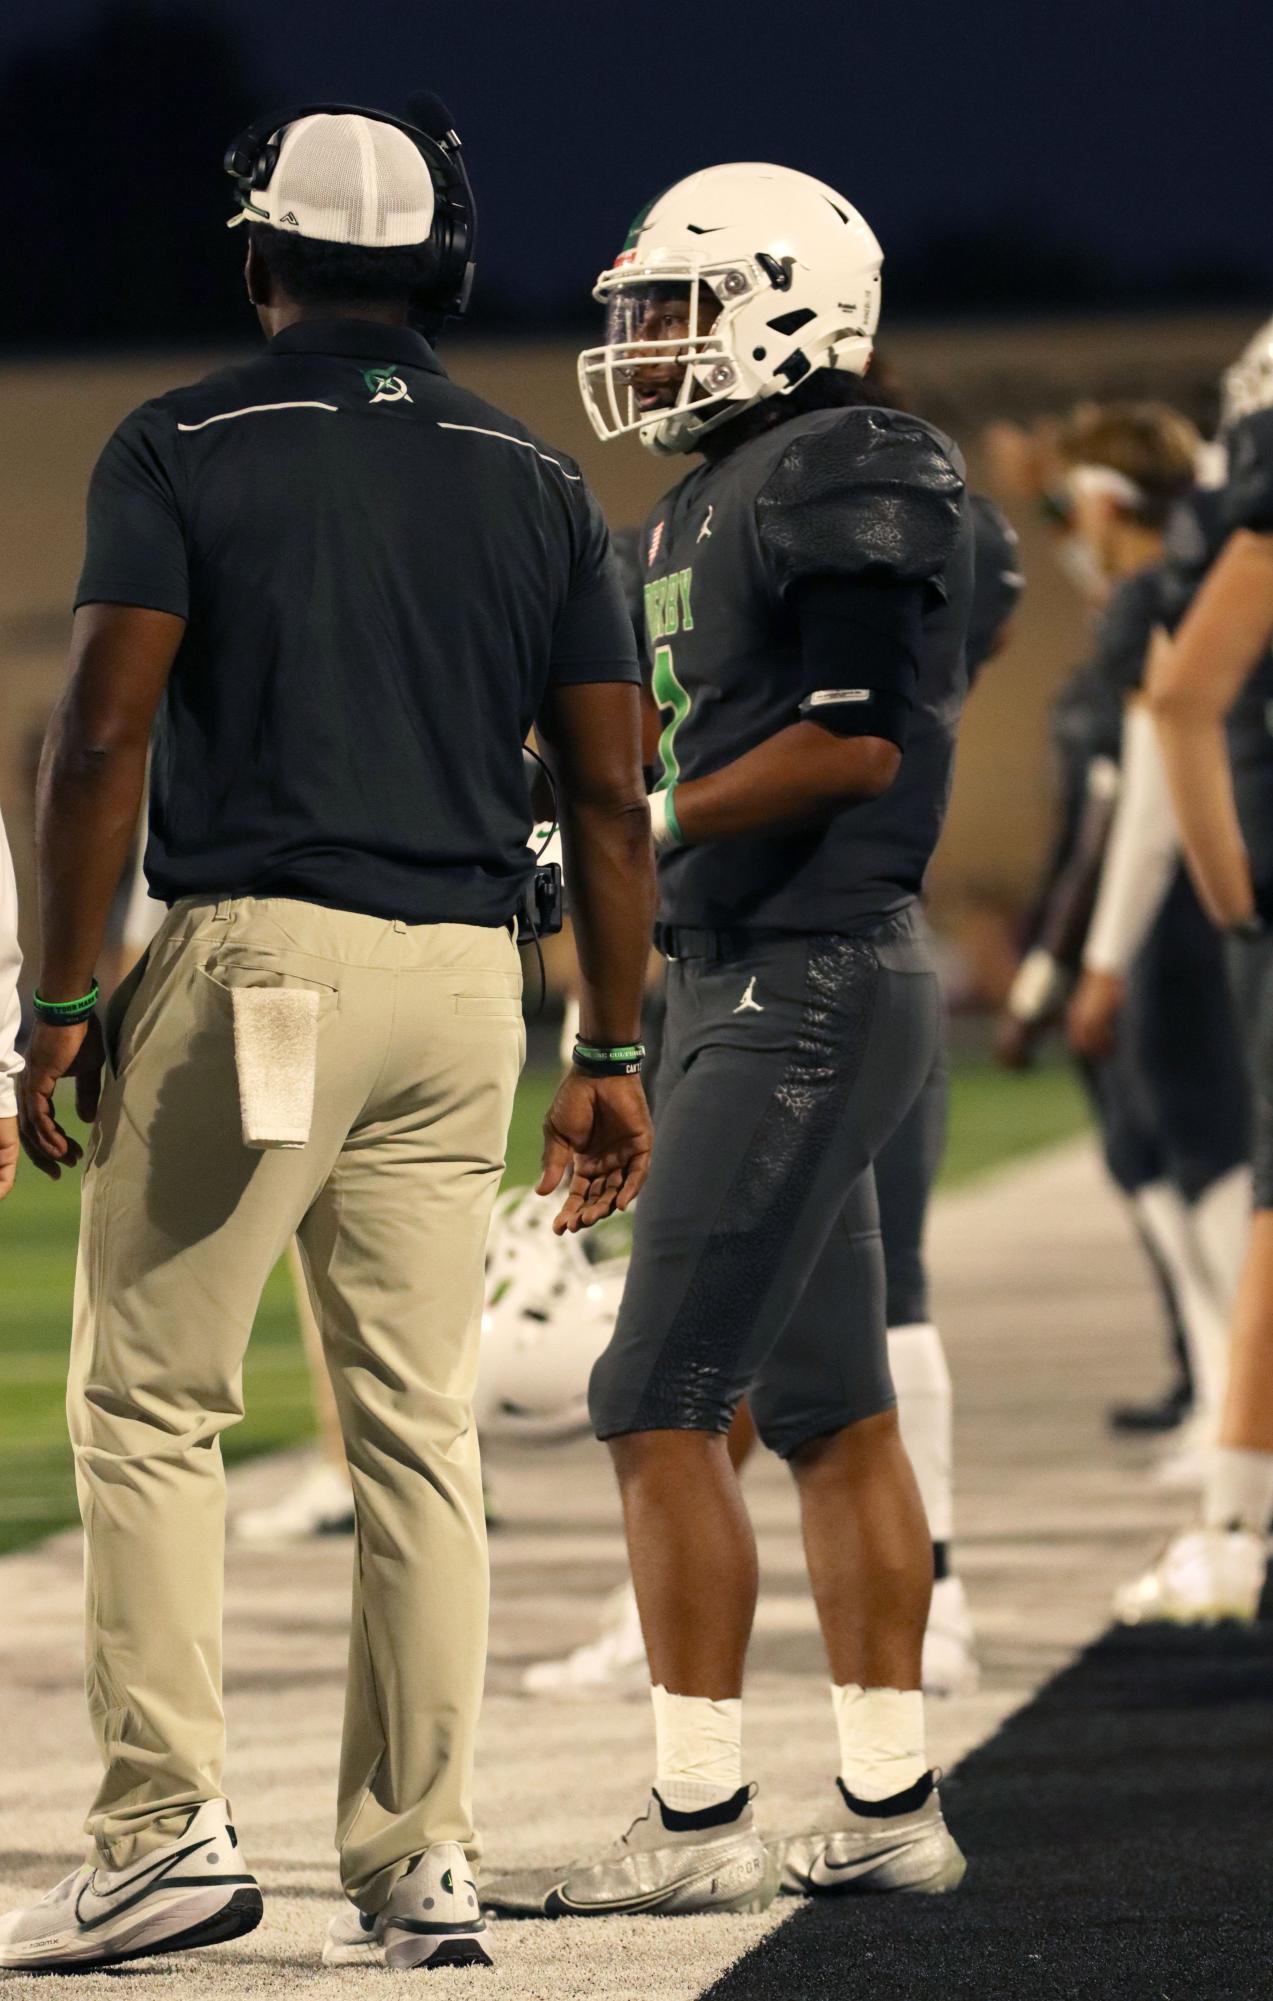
x,y
420,1043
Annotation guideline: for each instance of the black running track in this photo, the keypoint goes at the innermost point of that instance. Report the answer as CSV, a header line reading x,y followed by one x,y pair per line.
x,y
1119,1831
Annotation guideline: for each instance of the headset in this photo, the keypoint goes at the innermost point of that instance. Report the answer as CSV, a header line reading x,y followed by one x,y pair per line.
x,y
250,161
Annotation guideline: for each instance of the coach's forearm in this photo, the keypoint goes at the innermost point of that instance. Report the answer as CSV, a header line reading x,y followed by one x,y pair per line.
x,y
89,797
610,869
796,779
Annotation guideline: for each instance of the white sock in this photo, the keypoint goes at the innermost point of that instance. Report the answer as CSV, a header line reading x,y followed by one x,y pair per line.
x,y
699,1745
925,1410
1221,1219
1168,1223
1240,1490
881,1739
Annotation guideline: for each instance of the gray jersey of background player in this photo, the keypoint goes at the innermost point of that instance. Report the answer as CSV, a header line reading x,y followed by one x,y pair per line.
x,y
1196,534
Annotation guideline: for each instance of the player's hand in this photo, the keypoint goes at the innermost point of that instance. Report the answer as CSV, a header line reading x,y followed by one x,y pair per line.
x,y
8,1154
598,1131
1016,1042
54,1053
1091,1020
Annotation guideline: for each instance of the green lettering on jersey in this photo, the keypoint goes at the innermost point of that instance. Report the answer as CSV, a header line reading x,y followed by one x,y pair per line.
x,y
667,605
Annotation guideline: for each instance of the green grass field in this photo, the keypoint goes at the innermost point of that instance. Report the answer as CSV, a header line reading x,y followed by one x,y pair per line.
x,y
994,1118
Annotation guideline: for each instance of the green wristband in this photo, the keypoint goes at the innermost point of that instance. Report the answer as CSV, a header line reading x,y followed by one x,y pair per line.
x,y
65,1014
622,1059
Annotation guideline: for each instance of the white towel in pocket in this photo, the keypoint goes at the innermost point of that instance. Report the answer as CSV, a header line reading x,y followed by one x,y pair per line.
x,y
276,1056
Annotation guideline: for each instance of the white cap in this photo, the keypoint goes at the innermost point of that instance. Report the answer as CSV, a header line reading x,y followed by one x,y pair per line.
x,y
342,178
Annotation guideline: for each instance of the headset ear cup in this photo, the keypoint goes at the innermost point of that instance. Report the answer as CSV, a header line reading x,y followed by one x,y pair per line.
x,y
263,171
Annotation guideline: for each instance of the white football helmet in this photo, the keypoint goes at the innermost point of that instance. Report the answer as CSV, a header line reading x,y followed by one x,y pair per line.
x,y
550,1310
794,270
1247,384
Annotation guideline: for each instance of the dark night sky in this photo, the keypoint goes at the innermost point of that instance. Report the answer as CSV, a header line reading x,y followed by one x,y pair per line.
x,y
1137,131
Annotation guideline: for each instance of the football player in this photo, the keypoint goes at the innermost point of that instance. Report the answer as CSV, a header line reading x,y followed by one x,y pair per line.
x,y
1210,692
1151,1015
905,1171
807,591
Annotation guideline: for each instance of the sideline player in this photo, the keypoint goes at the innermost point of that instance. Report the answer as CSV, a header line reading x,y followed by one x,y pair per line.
x,y
1210,692
1152,1014
807,592
905,1172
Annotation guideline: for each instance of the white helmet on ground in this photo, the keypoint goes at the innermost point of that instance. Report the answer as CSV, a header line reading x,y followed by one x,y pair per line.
x,y
550,1310
1247,384
794,270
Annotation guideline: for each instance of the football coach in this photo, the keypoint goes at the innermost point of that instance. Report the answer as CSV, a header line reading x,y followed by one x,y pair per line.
x,y
331,592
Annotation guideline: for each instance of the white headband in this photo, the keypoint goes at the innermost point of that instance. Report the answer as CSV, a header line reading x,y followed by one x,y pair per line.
x,y
1107,484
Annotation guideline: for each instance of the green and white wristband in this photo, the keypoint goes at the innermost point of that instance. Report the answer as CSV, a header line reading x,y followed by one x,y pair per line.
x,y
664,825
618,1059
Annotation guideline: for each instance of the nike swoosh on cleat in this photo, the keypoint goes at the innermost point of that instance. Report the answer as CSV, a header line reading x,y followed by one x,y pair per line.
x,y
860,1863
558,1905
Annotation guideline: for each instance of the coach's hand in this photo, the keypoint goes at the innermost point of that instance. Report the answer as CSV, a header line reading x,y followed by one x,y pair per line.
x,y
8,1154
54,1053
598,1130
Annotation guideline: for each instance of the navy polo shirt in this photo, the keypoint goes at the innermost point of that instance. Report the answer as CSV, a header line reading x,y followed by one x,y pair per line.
x,y
380,576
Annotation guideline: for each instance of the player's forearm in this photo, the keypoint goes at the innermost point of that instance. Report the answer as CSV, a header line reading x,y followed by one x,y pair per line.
x,y
90,792
1196,758
610,870
796,779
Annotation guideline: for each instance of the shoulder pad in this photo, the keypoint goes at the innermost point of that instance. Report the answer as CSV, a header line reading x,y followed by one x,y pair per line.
x,y
1248,496
872,494
997,582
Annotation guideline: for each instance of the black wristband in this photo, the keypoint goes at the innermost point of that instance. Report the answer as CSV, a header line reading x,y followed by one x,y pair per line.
x,y
620,1059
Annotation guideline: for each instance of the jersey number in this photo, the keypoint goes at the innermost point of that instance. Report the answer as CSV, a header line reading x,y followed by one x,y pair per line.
x,y
674,703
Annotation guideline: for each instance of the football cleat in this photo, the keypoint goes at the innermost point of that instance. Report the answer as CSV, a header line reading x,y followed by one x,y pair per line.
x,y
950,1654
613,1663
432,1919
320,1504
1202,1577
192,1892
660,1868
863,1850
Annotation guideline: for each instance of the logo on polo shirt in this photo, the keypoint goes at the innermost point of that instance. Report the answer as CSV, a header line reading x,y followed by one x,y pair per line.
x,y
386,386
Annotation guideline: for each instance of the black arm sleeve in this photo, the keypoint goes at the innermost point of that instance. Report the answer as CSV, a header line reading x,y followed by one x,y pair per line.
x,y
860,653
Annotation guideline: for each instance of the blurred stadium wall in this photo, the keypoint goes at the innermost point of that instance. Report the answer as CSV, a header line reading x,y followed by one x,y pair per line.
x,y
55,415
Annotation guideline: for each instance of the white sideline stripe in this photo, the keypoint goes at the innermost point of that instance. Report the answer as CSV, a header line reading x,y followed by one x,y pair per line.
x,y
252,410
525,443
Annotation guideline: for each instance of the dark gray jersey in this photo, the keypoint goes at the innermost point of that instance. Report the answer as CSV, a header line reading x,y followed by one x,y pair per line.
x,y
857,493
1197,532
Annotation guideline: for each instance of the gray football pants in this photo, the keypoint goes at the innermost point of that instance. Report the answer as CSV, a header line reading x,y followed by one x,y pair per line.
x,y
757,1267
